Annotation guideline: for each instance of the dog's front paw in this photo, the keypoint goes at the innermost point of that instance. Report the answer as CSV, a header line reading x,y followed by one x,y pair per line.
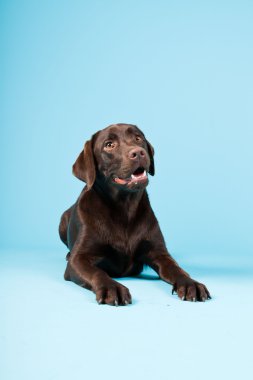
x,y
190,290
113,294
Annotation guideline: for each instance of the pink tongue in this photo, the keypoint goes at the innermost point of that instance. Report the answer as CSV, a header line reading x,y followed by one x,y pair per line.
x,y
120,181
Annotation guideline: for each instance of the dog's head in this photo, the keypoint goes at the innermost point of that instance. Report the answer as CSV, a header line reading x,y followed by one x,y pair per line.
x,y
120,155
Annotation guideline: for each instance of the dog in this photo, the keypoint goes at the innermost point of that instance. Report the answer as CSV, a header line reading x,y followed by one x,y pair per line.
x,y
111,231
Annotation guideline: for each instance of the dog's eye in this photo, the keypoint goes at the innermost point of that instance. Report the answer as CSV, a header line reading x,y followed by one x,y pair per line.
x,y
109,144
138,138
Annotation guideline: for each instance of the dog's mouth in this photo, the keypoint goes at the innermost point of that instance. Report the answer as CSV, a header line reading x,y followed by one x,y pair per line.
x,y
139,176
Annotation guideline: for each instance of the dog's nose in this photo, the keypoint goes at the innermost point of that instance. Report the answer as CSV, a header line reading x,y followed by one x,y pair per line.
x,y
136,153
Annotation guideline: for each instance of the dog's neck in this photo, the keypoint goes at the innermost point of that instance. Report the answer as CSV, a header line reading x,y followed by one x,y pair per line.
x,y
127,202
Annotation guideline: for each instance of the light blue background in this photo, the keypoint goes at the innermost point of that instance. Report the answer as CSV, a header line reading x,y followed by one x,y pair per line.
x,y
181,71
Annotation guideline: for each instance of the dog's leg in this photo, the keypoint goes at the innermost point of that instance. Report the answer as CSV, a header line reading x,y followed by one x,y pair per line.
x,y
169,271
82,270
63,227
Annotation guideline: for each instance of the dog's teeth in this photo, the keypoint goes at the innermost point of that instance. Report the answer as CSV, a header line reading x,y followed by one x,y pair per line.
x,y
144,174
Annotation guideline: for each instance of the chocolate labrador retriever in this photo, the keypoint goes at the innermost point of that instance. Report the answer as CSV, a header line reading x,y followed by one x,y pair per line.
x,y
111,231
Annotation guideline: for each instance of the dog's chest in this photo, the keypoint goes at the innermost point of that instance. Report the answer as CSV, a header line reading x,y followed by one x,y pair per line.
x,y
124,239
119,260
121,249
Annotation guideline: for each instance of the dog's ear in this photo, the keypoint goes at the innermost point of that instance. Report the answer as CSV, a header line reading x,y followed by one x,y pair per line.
x,y
151,153
84,168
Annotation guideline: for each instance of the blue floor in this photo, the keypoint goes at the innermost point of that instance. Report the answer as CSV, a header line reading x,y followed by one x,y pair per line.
x,y
52,329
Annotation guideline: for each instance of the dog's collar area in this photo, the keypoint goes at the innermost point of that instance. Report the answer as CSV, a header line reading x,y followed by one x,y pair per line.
x,y
139,175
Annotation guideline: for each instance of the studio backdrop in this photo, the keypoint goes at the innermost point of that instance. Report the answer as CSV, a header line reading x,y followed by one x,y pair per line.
x,y
180,70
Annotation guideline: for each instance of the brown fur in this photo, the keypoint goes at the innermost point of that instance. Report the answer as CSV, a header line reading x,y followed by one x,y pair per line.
x,y
111,231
